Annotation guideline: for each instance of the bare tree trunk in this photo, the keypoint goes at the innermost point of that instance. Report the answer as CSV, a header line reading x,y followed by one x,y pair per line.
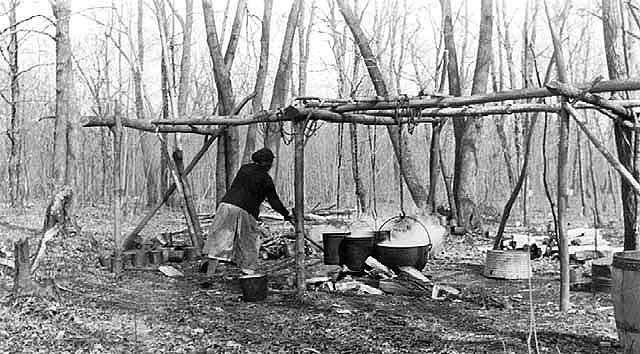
x,y
261,76
580,176
164,91
448,184
434,164
13,133
361,193
453,78
228,154
467,131
594,187
516,190
615,63
562,176
149,161
64,88
304,43
498,85
225,156
185,61
399,137
282,81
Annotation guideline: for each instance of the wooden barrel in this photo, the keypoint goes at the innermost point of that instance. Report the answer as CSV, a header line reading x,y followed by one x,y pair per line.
x,y
626,298
601,274
507,264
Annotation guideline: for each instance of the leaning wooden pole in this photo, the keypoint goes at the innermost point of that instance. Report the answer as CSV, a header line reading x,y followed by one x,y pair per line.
x,y
196,237
299,124
117,191
615,163
130,241
183,190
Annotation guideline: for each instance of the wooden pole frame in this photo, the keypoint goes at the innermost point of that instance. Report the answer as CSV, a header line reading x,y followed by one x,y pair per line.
x,y
299,127
116,129
373,111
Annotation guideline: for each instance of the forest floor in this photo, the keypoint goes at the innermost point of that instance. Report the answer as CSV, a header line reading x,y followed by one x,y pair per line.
x,y
147,312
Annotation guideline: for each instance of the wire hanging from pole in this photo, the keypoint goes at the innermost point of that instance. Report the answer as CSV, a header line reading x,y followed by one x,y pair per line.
x,y
372,148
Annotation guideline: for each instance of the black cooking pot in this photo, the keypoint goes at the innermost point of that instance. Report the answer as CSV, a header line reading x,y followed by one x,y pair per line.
x,y
398,256
355,248
402,255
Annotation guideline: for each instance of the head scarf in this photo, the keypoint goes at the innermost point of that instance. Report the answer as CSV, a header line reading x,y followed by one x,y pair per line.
x,y
262,155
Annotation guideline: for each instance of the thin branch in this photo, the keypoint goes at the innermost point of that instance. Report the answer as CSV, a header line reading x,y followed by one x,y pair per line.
x,y
28,19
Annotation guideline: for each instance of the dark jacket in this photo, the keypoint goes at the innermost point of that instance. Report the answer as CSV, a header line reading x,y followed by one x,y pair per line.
x,y
251,186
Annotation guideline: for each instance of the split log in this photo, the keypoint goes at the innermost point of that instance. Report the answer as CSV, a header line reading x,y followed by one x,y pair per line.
x,y
415,274
617,165
379,268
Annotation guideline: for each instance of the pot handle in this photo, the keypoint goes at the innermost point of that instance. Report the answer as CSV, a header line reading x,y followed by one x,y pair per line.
x,y
400,217
427,250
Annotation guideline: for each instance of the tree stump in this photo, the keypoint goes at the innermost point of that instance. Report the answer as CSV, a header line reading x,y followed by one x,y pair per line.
x,y
23,283
58,208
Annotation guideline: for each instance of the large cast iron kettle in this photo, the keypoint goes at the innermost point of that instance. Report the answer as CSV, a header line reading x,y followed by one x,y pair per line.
x,y
401,254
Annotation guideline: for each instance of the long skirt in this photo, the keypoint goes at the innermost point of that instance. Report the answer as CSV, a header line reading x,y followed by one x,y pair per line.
x,y
235,236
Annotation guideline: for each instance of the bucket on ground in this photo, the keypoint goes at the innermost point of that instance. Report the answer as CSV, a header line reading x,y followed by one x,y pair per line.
x,y
254,287
331,244
601,274
626,298
507,264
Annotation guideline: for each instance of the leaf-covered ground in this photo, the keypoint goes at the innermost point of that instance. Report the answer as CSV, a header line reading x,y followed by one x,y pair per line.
x,y
146,312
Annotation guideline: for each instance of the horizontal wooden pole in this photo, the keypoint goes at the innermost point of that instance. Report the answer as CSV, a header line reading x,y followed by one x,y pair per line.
x,y
232,120
385,117
586,96
95,121
379,103
488,110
